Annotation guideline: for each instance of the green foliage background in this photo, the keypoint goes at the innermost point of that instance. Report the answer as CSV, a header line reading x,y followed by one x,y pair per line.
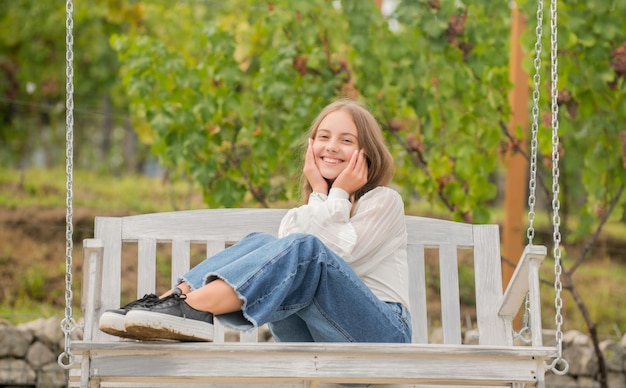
x,y
245,85
222,92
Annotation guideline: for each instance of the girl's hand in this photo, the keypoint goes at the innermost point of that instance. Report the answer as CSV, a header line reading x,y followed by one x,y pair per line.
x,y
312,172
355,175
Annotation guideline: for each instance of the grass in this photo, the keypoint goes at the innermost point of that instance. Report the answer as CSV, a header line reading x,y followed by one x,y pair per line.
x,y
97,191
600,285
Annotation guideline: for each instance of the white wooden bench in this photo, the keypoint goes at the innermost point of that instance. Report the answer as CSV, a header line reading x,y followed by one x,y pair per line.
x,y
106,361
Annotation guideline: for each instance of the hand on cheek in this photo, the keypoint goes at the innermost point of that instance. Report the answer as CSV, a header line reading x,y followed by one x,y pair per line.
x,y
312,172
355,174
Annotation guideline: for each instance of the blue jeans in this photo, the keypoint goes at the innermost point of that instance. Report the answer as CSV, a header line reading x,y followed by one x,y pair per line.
x,y
303,290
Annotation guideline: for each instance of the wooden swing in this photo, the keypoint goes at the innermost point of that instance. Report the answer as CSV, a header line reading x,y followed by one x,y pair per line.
x,y
494,358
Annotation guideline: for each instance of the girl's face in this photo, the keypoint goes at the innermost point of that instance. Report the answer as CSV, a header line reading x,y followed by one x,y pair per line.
x,y
335,141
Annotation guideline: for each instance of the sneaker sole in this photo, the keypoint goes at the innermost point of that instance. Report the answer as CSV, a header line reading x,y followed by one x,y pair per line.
x,y
148,325
114,324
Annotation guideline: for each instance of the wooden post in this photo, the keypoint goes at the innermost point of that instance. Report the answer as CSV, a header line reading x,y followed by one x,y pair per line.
x,y
515,196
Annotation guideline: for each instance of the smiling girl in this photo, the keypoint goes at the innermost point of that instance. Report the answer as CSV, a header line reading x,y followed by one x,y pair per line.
x,y
337,272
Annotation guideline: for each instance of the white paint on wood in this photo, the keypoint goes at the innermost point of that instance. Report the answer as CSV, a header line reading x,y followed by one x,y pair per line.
x,y
488,285
180,258
146,261
417,290
449,288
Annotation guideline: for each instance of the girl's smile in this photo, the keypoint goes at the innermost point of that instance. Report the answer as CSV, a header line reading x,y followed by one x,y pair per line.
x,y
332,161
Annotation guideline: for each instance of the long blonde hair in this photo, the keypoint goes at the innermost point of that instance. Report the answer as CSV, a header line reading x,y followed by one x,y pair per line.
x,y
370,138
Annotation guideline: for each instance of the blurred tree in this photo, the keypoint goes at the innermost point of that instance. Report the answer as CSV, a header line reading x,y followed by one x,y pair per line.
x,y
33,85
30,89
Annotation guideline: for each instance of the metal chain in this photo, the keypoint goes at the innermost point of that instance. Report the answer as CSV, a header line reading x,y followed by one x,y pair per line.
x,y
532,182
559,365
66,359
525,332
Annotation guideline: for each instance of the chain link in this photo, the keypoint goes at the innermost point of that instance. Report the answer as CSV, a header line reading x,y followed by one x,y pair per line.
x,y
66,359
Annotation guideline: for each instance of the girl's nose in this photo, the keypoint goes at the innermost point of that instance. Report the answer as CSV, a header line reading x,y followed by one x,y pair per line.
x,y
331,146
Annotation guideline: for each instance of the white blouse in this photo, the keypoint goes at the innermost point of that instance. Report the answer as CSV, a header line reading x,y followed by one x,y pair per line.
x,y
372,241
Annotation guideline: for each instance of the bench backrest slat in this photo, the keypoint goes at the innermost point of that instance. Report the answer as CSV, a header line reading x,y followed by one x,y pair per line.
x,y
146,278
181,258
417,290
492,329
450,302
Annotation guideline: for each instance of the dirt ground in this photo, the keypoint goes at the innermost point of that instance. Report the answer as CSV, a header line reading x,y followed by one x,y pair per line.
x,y
32,253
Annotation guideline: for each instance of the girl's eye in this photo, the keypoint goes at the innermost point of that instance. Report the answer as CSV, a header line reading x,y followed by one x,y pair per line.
x,y
349,141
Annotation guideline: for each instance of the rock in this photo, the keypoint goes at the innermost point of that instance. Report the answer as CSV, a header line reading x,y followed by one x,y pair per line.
x,y
52,376
13,343
616,380
14,371
588,382
47,331
553,380
582,360
39,355
574,337
52,334
613,355
32,327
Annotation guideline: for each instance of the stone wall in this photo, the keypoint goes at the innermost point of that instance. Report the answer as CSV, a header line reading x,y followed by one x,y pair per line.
x,y
29,352
583,363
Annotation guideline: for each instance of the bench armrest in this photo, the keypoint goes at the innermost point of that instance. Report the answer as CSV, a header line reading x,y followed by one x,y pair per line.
x,y
525,280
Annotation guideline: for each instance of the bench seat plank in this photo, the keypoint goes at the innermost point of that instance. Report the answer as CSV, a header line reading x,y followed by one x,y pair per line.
x,y
322,362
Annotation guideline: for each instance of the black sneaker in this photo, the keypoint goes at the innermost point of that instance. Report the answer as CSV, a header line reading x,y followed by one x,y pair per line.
x,y
113,321
170,318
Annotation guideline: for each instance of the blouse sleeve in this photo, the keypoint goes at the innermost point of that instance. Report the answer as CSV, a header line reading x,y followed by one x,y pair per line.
x,y
378,217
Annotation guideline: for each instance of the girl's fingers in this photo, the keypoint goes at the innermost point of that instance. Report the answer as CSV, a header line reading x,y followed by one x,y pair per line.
x,y
353,160
361,162
310,156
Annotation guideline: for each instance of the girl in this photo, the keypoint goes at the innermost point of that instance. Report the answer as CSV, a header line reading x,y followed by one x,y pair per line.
x,y
336,272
